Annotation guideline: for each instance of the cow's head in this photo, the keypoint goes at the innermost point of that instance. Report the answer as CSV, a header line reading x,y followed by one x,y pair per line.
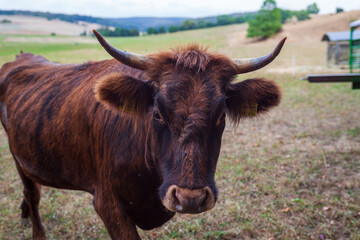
x,y
188,96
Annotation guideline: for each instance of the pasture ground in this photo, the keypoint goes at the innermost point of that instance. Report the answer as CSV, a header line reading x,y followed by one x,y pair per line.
x,y
293,174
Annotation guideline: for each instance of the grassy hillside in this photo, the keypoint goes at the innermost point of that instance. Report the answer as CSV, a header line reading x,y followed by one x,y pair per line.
x,y
228,40
293,174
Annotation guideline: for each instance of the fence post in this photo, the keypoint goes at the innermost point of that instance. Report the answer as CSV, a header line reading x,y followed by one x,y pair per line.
x,y
351,50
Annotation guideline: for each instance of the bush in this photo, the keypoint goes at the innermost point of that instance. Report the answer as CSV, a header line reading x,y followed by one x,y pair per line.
x,y
301,15
201,24
134,32
5,21
152,30
162,30
173,29
225,20
285,15
242,19
339,10
118,32
187,25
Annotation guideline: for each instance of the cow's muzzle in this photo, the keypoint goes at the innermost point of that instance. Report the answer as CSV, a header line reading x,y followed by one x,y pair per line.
x,y
184,200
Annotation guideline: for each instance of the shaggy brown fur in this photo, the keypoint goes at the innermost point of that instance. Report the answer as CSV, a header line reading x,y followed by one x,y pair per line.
x,y
122,134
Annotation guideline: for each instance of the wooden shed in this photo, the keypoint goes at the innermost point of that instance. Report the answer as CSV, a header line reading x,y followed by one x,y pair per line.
x,y
339,47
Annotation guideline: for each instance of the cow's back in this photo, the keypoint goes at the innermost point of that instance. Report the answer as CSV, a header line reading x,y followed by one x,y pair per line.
x,y
56,128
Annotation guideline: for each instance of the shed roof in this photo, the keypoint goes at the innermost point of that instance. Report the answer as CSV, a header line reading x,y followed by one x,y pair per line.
x,y
355,23
340,36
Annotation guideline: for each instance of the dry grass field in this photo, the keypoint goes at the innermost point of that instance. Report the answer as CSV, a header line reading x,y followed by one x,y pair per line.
x,y
293,174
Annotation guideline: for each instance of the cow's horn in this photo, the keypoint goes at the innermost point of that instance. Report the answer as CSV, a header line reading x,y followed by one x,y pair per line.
x,y
131,59
251,64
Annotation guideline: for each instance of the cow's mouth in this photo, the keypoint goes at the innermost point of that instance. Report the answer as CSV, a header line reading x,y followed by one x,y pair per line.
x,y
184,200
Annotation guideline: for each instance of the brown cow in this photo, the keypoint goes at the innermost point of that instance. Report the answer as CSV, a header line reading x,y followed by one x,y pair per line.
x,y
143,136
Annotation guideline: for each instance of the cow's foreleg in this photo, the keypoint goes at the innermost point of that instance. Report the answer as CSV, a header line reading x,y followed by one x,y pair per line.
x,y
117,222
25,211
31,204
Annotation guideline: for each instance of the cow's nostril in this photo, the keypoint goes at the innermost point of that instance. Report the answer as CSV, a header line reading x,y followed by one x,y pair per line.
x,y
179,208
176,200
191,201
203,203
186,200
177,203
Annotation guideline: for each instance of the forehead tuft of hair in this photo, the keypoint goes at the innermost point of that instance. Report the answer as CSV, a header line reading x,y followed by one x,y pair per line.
x,y
191,57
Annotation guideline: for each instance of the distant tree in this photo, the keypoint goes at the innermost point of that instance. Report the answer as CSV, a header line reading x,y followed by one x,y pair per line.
x,y
53,34
105,31
83,33
267,22
201,24
313,8
301,15
210,24
225,20
285,15
188,25
173,29
5,21
162,30
268,5
244,18
339,10
240,19
118,32
134,32
152,30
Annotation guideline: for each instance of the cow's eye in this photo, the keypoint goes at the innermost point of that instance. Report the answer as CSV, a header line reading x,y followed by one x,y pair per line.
x,y
157,116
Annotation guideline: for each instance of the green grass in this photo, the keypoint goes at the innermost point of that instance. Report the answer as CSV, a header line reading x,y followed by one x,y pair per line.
x,y
142,45
293,174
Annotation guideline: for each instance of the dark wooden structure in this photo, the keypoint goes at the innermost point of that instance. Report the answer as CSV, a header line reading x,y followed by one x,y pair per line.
x,y
338,47
347,77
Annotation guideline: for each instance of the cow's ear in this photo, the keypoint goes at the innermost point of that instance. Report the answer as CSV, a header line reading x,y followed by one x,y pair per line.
x,y
124,93
251,98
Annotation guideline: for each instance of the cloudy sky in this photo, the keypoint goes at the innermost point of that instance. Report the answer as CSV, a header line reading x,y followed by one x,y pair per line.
x,y
165,8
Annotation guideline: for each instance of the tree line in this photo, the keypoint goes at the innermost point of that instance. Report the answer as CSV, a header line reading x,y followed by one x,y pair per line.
x,y
268,16
198,24
263,24
118,32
